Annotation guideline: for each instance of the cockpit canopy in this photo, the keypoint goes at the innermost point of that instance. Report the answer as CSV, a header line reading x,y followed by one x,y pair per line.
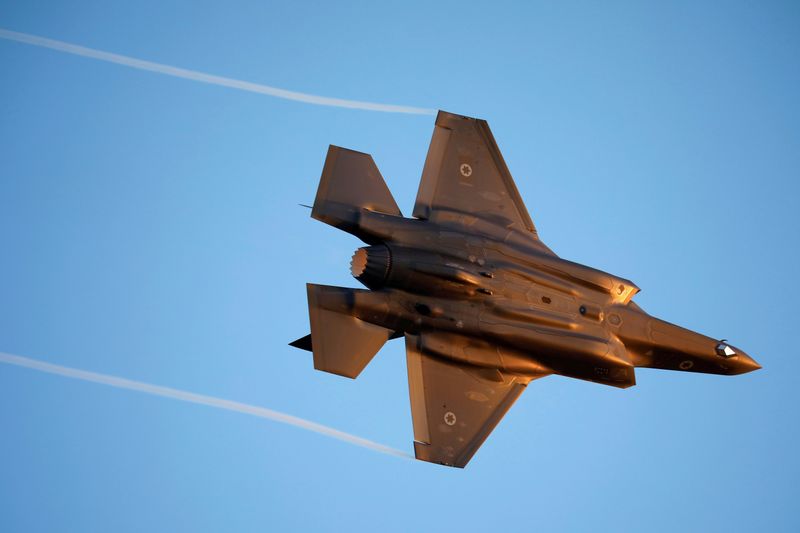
x,y
724,350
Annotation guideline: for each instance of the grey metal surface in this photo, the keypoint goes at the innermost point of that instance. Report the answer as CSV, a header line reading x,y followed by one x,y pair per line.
x,y
484,305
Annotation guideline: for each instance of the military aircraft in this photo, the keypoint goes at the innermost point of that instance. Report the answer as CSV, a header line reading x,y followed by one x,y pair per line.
x,y
484,305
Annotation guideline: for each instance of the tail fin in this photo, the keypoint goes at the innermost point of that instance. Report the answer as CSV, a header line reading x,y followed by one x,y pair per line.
x,y
342,344
350,182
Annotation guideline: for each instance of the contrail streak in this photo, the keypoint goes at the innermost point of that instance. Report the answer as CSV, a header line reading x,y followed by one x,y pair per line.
x,y
202,399
194,75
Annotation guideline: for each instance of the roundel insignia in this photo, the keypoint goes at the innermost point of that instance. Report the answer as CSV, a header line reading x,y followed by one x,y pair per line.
x,y
450,418
466,170
686,365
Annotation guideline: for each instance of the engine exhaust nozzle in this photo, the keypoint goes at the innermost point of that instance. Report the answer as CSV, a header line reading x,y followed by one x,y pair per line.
x,y
371,265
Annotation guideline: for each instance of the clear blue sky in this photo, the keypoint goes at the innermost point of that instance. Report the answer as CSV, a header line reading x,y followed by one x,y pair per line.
x,y
149,228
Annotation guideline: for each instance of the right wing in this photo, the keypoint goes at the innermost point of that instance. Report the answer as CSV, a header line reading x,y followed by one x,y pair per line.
x,y
454,407
466,178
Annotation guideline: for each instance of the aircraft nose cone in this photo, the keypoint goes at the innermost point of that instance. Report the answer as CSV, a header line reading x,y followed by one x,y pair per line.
x,y
746,364
738,362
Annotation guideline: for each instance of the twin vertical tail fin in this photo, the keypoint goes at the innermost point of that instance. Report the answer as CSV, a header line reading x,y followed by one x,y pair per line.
x,y
342,344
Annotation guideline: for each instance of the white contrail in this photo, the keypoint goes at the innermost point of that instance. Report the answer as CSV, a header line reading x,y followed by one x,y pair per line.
x,y
201,399
132,62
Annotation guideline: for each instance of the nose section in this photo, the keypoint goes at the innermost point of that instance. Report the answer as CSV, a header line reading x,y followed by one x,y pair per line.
x,y
745,364
738,362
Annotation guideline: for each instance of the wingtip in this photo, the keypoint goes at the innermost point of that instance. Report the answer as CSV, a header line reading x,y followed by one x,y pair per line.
x,y
445,117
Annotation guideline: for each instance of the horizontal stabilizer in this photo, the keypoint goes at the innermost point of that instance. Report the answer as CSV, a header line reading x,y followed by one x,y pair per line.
x,y
350,182
342,344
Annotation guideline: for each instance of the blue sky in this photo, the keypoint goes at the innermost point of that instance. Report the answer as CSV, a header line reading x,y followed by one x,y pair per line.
x,y
149,229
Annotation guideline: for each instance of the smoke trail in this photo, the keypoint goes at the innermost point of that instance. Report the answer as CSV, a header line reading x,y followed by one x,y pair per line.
x,y
132,62
201,399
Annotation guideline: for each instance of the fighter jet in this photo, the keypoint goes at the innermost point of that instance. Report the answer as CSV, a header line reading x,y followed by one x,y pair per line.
x,y
484,305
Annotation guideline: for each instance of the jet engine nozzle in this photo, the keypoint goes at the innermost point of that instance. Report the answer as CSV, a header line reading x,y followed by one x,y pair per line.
x,y
371,265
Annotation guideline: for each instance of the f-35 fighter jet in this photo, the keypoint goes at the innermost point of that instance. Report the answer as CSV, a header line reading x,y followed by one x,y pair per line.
x,y
485,307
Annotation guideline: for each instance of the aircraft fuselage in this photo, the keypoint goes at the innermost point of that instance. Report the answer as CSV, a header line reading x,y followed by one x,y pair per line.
x,y
538,314
484,305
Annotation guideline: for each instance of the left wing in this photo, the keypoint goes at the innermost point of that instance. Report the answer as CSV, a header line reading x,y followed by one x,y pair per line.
x,y
454,407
